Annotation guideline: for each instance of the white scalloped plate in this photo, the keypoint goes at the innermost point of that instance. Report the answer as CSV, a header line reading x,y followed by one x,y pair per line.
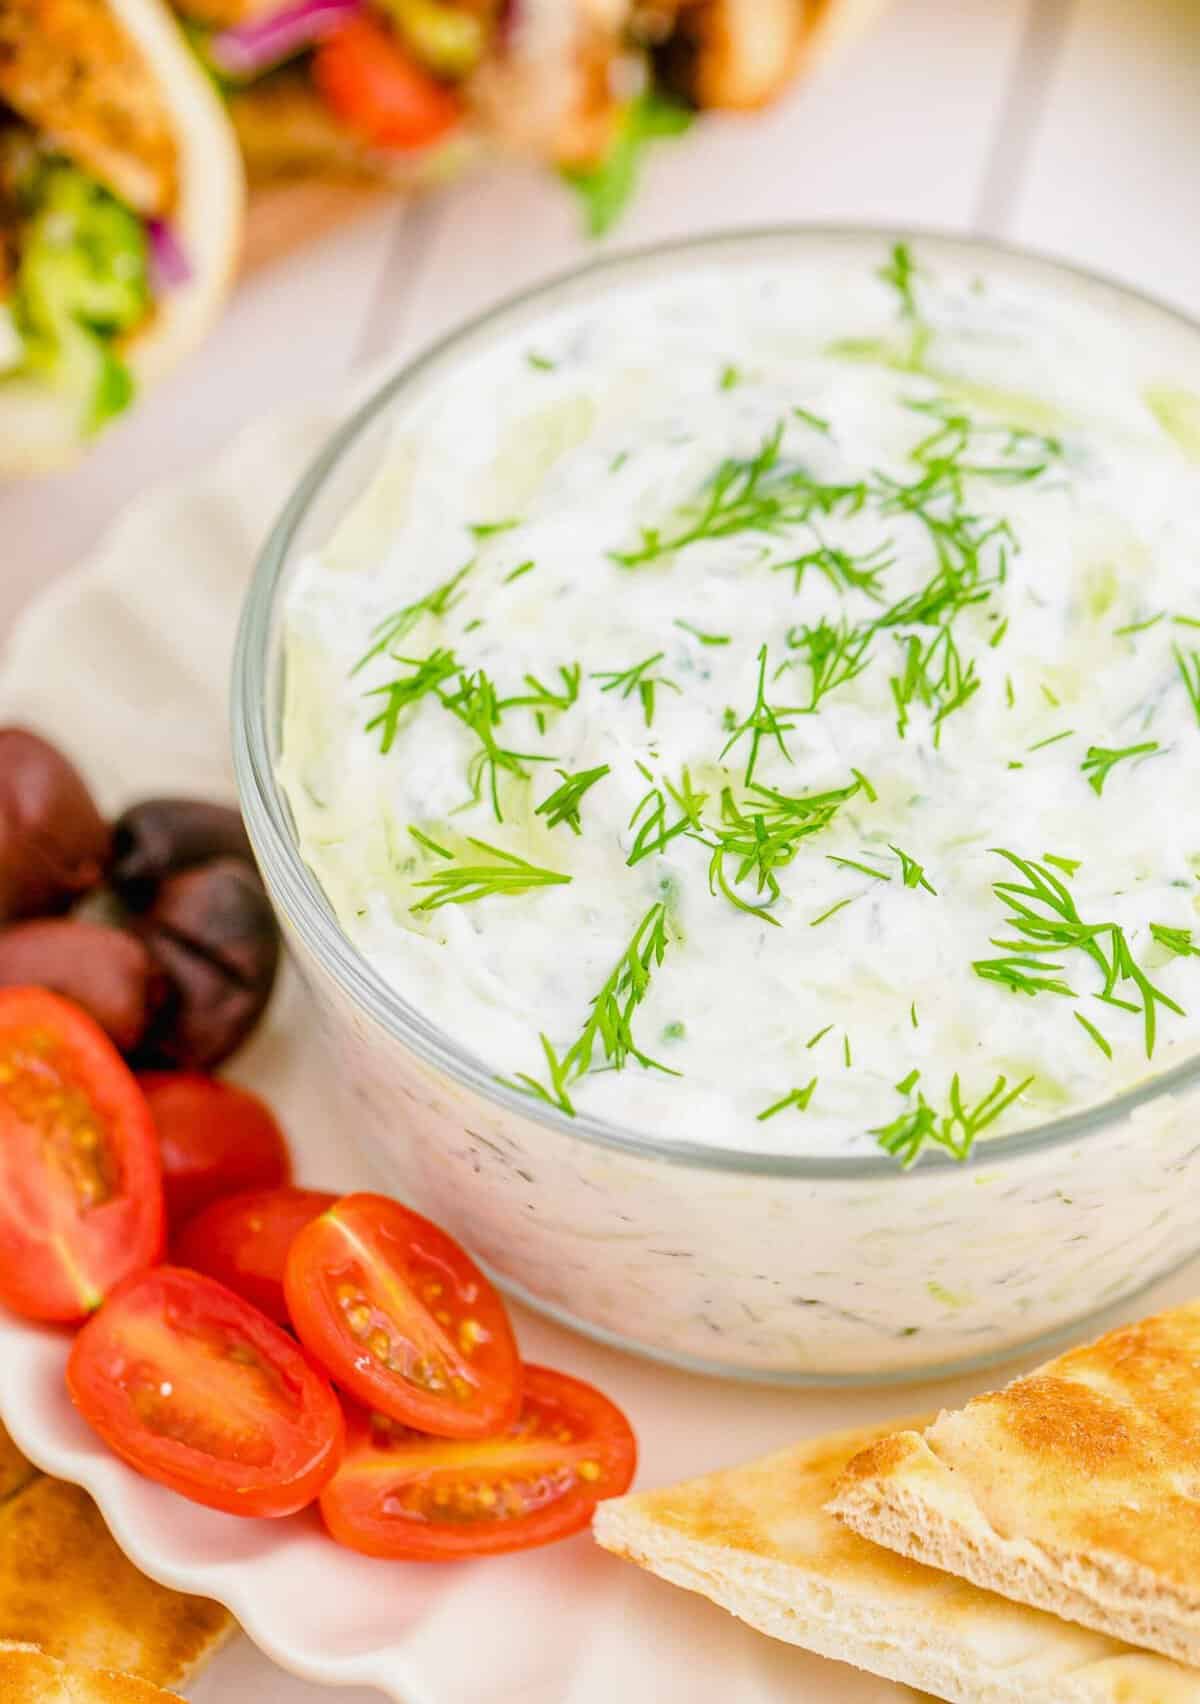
x,y
126,665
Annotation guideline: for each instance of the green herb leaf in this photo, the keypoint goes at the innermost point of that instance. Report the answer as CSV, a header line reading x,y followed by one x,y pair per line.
x,y
1100,761
637,679
467,883
799,1098
562,805
606,189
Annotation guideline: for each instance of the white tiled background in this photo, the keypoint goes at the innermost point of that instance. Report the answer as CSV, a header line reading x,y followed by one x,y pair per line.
x,y
1070,125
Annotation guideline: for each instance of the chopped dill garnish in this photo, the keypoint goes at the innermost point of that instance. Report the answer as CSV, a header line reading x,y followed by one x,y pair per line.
x,y
799,1098
1100,1041
844,571
1010,697
521,569
490,529
912,1013
900,272
834,653
763,834
542,699
912,873
921,1126
477,707
762,722
609,1026
704,638
540,363
654,833
1177,941
998,636
1023,974
1140,626
393,628
1188,664
1185,621
428,844
841,904
1052,739
562,805
429,675
853,864
1052,700
847,1060
818,422
906,1085
1043,912
1068,866
814,1039
730,378
470,882
1100,761
636,679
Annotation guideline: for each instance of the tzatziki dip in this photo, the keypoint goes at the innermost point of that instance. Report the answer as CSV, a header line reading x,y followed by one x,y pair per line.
x,y
761,707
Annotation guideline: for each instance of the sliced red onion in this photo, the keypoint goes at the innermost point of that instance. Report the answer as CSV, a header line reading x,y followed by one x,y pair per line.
x,y
170,267
249,48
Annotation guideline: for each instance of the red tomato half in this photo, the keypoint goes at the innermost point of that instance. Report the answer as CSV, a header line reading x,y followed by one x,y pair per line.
x,y
243,1242
81,1202
398,1494
403,1319
215,1139
195,1388
380,92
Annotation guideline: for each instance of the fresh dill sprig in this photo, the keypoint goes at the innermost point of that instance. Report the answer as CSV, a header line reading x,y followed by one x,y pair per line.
x,y
429,844
1100,761
752,495
799,1098
763,835
921,1126
840,905
542,699
654,833
912,874
1177,941
814,1039
637,679
834,652
1046,919
1188,664
1140,626
933,675
429,675
900,272
521,569
478,708
703,638
1023,974
762,722
864,869
393,628
1090,1029
562,805
609,1026
466,883
844,571
1052,739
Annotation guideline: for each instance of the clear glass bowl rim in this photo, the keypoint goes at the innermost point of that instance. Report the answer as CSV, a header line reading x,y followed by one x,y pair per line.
x,y
294,887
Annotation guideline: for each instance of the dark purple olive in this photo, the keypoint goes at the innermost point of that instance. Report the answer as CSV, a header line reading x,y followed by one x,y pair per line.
x,y
53,841
160,837
109,972
213,932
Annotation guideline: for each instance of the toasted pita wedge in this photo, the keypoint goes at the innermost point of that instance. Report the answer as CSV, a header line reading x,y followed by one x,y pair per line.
x,y
67,1588
758,1541
111,85
29,1676
1076,1489
15,1471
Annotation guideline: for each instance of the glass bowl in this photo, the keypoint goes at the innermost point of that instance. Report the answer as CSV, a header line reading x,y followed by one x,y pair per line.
x,y
787,1269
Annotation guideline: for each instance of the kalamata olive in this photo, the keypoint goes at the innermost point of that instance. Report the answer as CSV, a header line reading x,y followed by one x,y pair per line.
x,y
214,933
109,972
53,841
160,837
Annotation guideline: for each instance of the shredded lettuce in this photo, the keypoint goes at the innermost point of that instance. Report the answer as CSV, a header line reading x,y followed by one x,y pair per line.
x,y
606,189
83,279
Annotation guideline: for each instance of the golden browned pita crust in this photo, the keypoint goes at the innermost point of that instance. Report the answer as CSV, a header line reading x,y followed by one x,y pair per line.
x,y
28,1676
67,1588
1076,1489
71,70
15,1471
758,1541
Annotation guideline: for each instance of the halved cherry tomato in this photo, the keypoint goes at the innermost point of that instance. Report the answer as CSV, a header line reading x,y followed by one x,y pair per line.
x,y
403,1319
243,1242
195,1388
400,1495
81,1201
379,91
215,1139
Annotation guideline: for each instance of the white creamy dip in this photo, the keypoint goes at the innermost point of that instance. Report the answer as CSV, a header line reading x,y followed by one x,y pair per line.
x,y
952,524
